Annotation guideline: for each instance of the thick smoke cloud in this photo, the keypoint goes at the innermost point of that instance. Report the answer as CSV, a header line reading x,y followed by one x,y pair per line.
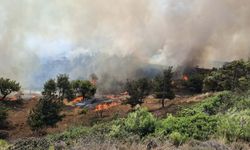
x,y
39,39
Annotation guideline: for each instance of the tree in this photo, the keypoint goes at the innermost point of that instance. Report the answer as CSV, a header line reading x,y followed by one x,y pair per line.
x,y
195,82
50,88
8,86
137,90
234,75
46,113
76,87
64,86
84,88
163,87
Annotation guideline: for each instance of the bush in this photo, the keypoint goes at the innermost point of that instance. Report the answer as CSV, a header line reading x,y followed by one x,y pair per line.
x,y
199,126
177,138
70,134
46,113
3,144
235,125
220,103
140,122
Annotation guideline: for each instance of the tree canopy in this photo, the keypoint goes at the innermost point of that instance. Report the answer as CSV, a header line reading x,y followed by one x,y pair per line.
x,y
234,75
163,87
45,114
137,90
8,86
84,88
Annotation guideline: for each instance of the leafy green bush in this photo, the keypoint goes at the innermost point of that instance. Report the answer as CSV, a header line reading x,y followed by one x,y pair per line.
x,y
220,103
235,125
70,134
177,138
243,102
3,144
199,126
140,122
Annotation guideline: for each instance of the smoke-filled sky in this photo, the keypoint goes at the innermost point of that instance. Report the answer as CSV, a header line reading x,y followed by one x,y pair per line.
x,y
41,38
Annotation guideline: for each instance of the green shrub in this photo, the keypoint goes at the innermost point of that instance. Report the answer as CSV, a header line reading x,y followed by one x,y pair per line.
x,y
140,122
46,113
199,126
235,125
220,103
3,145
70,134
118,129
243,102
177,138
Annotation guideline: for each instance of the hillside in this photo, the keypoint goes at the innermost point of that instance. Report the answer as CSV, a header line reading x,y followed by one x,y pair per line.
x,y
82,131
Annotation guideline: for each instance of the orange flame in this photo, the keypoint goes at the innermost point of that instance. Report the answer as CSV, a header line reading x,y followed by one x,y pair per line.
x,y
78,99
105,106
185,78
12,98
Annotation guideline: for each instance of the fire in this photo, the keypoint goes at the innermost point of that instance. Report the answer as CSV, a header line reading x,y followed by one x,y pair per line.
x,y
12,98
78,99
185,78
105,106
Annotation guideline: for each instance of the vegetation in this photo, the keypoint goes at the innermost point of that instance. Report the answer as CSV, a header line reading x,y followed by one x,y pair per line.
x,y
235,125
195,82
137,90
163,85
3,116
140,122
223,115
50,88
218,116
3,144
64,86
8,86
84,88
232,76
45,114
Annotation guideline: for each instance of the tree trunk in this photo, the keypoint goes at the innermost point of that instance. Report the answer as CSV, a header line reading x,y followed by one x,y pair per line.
x,y
162,103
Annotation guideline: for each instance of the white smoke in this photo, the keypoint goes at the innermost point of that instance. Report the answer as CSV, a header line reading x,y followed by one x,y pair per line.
x,y
39,39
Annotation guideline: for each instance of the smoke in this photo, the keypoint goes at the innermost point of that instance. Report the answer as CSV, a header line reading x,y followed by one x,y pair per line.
x,y
39,39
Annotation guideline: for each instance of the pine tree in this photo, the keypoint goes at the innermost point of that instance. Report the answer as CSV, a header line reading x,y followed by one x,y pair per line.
x,y
45,114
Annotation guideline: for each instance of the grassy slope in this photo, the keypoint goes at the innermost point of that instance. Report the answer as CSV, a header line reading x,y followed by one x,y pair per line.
x,y
224,115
